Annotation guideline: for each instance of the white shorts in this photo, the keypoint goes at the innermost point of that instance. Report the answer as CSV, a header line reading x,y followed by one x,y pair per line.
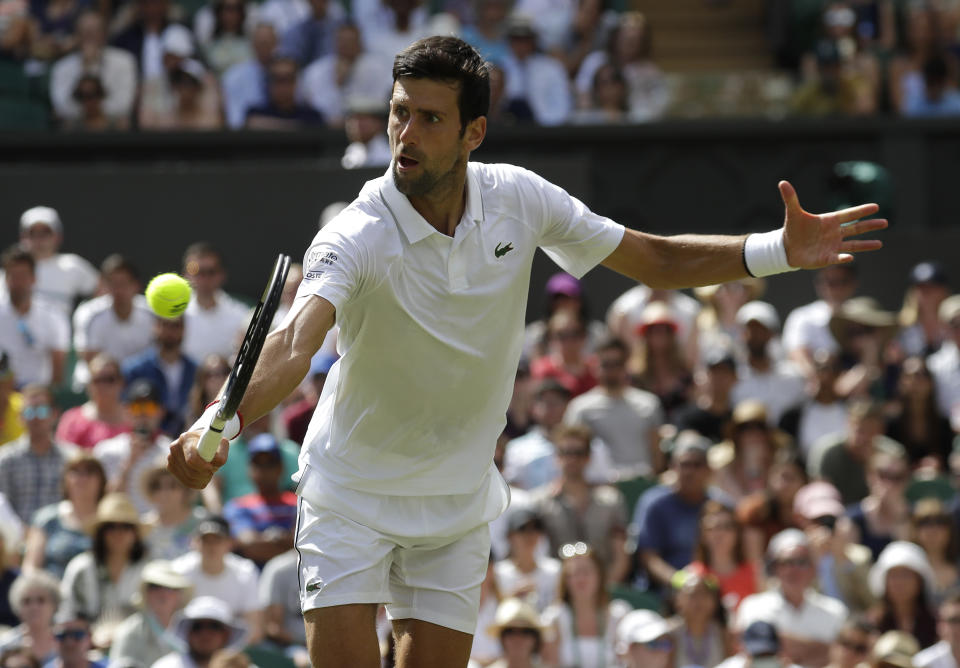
x,y
436,580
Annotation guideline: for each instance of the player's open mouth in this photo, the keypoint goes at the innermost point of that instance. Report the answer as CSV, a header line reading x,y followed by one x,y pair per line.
x,y
407,163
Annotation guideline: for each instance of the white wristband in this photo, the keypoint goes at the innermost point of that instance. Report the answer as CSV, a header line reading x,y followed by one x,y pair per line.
x,y
230,430
764,254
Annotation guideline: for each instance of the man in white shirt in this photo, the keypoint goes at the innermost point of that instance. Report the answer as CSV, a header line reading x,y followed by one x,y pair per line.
x,y
946,653
427,274
945,363
214,321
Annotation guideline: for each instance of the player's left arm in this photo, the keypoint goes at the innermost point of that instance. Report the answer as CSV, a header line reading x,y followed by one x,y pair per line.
x,y
688,260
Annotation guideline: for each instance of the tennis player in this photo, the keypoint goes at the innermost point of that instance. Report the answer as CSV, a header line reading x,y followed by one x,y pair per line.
x,y
427,274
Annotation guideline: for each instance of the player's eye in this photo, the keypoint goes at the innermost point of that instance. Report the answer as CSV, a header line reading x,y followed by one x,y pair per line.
x,y
433,118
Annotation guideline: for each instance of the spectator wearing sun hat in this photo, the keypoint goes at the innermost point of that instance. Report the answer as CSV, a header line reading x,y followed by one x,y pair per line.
x,y
517,626
643,640
205,627
903,581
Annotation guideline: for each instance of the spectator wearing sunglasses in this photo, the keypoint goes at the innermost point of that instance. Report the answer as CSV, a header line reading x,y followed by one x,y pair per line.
x,y
205,627
128,456
946,653
32,466
11,402
517,626
74,642
101,417
853,644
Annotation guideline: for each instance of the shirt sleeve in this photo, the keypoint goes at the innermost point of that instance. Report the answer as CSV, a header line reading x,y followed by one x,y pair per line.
x,y
333,266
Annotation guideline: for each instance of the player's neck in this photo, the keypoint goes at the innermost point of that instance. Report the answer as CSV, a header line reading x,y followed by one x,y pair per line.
x,y
444,206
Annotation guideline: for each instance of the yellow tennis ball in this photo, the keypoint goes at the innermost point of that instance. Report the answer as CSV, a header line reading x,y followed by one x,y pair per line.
x,y
168,295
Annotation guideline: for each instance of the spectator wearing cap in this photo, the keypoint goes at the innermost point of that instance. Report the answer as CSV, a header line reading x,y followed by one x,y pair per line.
x,y
945,363
263,521
283,110
903,582
806,621
565,359
127,456
58,532
516,625
213,570
34,332
922,332
118,323
103,415
526,573
644,640
759,644
763,376
116,68
100,583
74,636
31,467
894,649
914,419
34,597
143,36
821,412
562,292
11,403
168,369
710,413
666,519
946,653
142,638
536,79
529,460
173,515
883,514
626,418
842,565
365,124
205,627
742,463
279,596
296,417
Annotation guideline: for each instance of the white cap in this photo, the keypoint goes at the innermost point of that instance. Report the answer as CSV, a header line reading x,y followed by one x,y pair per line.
x,y
177,40
41,214
786,540
761,312
194,69
641,626
209,607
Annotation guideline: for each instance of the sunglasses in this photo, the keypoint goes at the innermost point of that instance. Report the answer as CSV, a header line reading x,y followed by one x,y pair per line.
x,y
117,526
856,647
891,476
71,634
797,562
206,625
659,645
105,380
39,412
934,521
580,452
519,631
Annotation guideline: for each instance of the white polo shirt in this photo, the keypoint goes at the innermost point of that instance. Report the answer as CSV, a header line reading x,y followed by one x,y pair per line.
x,y
30,339
214,331
819,618
96,326
431,329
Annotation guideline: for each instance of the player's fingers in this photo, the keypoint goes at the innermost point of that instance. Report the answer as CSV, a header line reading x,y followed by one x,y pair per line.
x,y
790,199
853,213
861,245
220,456
863,226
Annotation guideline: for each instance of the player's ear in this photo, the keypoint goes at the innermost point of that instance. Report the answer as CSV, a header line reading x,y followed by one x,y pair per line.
x,y
474,133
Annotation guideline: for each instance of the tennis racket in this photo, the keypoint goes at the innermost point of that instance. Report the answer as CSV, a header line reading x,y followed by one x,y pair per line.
x,y
246,359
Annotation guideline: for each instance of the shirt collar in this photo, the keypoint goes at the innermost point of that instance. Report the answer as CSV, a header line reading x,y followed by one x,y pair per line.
x,y
414,226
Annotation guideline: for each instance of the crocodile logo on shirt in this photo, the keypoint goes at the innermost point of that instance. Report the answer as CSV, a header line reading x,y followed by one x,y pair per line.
x,y
315,586
502,250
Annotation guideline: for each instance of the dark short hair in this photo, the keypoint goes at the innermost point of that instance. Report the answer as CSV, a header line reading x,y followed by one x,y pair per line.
x,y
17,253
202,248
449,59
615,344
117,262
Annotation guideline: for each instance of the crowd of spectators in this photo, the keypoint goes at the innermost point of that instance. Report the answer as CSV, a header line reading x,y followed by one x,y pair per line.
x,y
695,480
287,64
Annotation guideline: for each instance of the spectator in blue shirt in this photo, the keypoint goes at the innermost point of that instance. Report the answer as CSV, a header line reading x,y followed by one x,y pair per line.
x,y
312,38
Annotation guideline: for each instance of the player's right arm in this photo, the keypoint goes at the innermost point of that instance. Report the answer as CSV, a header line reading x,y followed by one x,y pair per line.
x,y
283,364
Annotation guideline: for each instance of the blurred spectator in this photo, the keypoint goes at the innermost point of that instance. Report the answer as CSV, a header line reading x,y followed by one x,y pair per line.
x,y
712,411
366,128
53,27
821,413
742,463
945,363
894,648
933,529
100,584
74,642
657,363
142,638
768,512
717,326
11,542
903,581
884,514
34,598
573,510
389,26
940,95
31,467
643,640
262,522
915,421
629,50
167,369
504,111
11,403
626,418
296,417
486,646
720,555
215,571
173,515
759,646
625,314
128,456
15,29
114,68
517,627
565,359
806,621
61,278
946,653
842,565
608,102
853,643
553,21
143,37
347,72
279,596
525,573
230,658
282,110
921,331
807,328
583,621
519,410
118,323
667,518
534,78
187,99
103,415
18,658
228,44
245,84
562,292
701,636
922,43
314,37
764,377
204,628
284,14
207,383
862,331
487,32
59,531
33,332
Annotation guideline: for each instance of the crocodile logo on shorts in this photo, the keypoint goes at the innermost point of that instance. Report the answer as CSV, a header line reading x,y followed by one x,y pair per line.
x,y
502,250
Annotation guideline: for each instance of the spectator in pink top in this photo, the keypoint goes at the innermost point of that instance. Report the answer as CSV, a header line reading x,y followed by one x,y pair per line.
x,y
104,415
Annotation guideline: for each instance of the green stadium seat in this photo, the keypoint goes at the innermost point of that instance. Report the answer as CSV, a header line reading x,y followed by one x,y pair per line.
x,y
23,114
640,600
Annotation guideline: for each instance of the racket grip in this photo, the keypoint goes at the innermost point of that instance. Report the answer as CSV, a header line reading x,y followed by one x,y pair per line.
x,y
209,442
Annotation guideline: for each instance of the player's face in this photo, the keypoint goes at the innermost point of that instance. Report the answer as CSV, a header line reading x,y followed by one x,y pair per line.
x,y
429,150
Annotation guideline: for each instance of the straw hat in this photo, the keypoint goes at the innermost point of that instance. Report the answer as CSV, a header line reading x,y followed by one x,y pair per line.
x,y
512,613
862,312
117,507
160,572
895,648
656,313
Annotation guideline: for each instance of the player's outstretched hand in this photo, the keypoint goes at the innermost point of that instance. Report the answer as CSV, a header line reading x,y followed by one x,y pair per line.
x,y
816,240
186,464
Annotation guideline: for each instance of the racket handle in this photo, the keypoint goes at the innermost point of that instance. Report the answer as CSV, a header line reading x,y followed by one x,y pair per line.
x,y
209,442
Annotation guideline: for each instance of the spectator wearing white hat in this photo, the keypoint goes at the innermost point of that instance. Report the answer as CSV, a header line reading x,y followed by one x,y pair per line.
x,y
903,581
764,376
644,640
206,627
62,278
946,653
806,621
